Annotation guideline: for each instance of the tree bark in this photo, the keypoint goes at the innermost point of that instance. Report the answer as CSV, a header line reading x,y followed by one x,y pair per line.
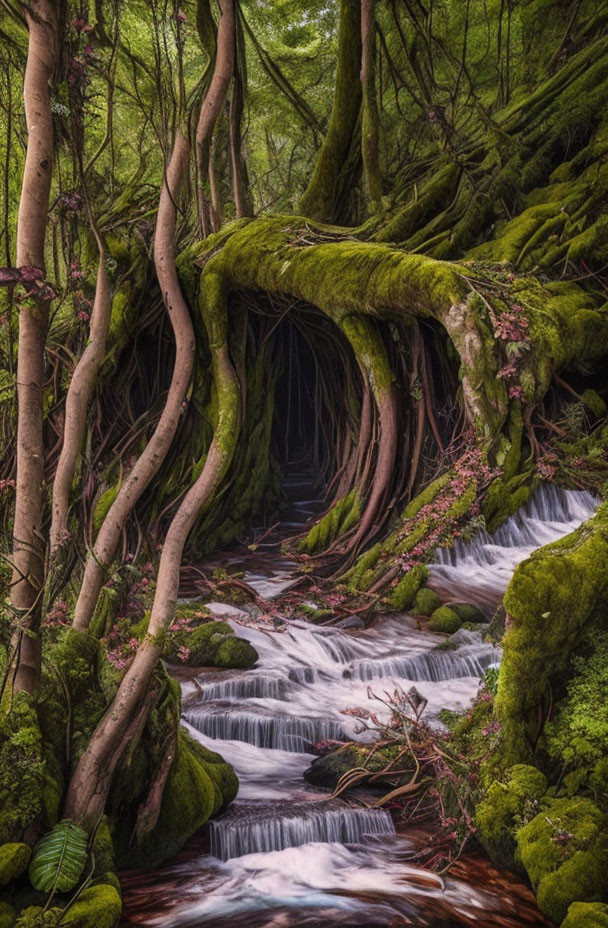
x,y
147,466
322,194
212,104
28,542
92,778
370,119
78,398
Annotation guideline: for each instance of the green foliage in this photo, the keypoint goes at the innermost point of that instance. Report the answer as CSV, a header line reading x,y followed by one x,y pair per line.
x,y
579,733
59,858
21,767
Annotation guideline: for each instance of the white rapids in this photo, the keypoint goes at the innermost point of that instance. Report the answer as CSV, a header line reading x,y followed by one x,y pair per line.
x,y
281,846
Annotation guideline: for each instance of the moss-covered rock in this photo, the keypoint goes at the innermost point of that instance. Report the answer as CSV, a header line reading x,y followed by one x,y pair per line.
x,y
200,782
505,807
586,915
404,593
564,850
7,915
594,403
468,613
211,644
99,906
14,860
426,602
445,620
552,598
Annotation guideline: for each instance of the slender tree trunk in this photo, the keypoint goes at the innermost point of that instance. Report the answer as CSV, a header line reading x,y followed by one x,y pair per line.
x,y
370,118
322,194
147,466
240,185
212,104
78,398
28,542
93,775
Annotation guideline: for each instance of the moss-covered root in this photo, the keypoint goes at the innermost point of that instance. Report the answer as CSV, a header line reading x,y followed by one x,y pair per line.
x,y
551,598
342,516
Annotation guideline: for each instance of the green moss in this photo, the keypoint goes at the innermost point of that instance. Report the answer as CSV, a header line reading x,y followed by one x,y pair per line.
x,y
586,915
22,767
594,403
342,516
99,906
212,644
426,602
14,860
552,597
404,594
445,620
235,652
199,783
468,614
34,916
505,807
564,850
7,915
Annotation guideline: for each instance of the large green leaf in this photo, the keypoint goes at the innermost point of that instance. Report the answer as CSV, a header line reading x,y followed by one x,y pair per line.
x,y
59,858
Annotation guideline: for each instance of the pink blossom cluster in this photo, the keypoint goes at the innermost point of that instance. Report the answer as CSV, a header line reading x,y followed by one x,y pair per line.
x,y
58,616
470,469
7,485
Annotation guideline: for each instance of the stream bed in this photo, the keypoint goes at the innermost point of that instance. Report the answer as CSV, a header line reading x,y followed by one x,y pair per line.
x,y
283,854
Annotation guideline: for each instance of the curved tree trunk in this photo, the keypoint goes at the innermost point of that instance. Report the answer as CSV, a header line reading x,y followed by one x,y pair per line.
x,y
147,465
212,104
28,542
93,775
78,398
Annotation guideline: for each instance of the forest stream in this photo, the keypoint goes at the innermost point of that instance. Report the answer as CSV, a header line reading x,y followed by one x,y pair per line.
x,y
282,854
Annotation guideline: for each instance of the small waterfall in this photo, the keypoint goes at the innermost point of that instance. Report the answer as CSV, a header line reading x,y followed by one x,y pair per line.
x,y
244,686
482,568
435,666
285,732
251,829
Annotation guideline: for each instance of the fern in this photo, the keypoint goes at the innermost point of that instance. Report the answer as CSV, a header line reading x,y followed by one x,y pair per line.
x,y
59,858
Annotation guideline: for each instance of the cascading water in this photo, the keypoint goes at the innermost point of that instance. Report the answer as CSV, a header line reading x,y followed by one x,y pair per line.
x,y
282,854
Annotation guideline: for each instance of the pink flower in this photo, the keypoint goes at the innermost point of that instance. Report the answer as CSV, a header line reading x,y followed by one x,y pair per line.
x,y
516,393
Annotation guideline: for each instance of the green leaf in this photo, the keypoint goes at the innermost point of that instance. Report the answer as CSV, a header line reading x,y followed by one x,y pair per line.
x,y
59,858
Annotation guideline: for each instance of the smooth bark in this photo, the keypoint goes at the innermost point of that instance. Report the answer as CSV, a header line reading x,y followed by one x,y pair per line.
x,y
148,464
28,541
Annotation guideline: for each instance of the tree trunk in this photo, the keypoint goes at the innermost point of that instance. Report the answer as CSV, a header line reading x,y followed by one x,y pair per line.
x,y
93,775
154,454
321,196
78,398
370,119
212,104
28,542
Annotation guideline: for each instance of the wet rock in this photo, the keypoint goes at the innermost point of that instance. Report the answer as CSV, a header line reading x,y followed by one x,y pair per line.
x,y
467,612
445,619
462,638
351,621
226,611
326,771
